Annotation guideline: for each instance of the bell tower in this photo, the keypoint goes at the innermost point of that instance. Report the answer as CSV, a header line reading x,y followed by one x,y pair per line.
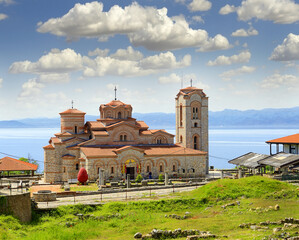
x,y
192,120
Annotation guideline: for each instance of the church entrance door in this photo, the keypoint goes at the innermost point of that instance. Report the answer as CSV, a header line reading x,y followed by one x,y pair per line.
x,y
131,171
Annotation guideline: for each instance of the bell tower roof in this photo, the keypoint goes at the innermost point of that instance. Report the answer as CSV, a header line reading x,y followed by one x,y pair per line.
x,y
190,90
72,111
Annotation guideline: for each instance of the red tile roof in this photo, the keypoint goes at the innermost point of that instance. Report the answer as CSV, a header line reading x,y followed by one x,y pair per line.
x,y
288,139
116,103
12,164
72,111
48,147
174,150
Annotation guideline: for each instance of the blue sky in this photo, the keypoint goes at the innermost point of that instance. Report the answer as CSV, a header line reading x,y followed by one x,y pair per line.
x,y
243,54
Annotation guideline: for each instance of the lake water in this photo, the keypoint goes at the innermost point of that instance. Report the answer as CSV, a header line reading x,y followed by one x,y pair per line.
x,y
224,144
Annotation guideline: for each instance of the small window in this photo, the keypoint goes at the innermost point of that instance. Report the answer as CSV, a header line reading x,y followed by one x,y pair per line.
x,y
161,168
195,124
112,170
77,166
125,137
119,115
181,138
159,141
183,170
76,129
293,149
196,113
121,138
181,115
195,142
98,170
173,168
147,168
64,169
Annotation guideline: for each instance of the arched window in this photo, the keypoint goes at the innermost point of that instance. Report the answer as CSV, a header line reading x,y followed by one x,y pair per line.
x,y
98,170
193,114
161,168
119,115
159,141
64,169
181,139
77,166
112,170
121,138
76,130
195,142
125,137
181,115
196,113
173,167
147,168
195,124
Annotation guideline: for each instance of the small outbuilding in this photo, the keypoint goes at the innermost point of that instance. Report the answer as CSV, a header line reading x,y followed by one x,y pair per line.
x,y
9,164
281,160
249,160
290,144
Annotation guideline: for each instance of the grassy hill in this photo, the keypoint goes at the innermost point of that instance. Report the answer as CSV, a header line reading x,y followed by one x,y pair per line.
x,y
248,200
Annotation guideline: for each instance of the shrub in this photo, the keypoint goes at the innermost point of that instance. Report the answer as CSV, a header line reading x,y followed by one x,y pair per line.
x,y
161,177
138,178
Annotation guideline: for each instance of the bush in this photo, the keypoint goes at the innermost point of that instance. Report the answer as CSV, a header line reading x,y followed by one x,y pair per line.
x,y
139,178
161,177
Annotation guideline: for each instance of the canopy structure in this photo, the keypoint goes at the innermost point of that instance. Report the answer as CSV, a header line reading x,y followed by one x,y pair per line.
x,y
11,164
281,160
249,160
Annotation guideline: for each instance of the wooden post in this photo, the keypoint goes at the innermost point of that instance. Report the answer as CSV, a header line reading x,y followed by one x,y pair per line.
x,y
270,148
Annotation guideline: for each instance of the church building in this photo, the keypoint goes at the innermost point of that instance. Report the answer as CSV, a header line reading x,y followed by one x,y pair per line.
x,y
121,145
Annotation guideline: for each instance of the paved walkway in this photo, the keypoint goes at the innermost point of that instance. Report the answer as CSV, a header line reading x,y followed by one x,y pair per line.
x,y
120,196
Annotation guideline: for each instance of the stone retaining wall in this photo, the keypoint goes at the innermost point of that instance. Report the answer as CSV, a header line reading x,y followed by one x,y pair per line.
x,y
18,205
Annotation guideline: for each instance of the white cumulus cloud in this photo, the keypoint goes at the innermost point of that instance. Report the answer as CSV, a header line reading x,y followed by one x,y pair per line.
x,y
99,52
278,11
110,65
217,43
243,57
3,16
227,9
245,33
54,62
172,78
277,81
198,19
31,88
235,72
199,5
1,81
144,26
288,50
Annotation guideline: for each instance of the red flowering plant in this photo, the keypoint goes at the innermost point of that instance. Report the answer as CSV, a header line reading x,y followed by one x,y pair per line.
x,y
82,176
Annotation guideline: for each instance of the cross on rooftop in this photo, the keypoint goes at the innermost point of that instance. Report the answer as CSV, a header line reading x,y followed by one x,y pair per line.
x,y
191,82
115,89
72,104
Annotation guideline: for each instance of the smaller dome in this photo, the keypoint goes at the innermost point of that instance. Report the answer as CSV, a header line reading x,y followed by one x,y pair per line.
x,y
116,103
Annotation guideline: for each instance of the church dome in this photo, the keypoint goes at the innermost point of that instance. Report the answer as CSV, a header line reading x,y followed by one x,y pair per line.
x,y
116,109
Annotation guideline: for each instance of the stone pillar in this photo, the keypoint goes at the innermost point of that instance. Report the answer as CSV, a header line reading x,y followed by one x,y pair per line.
x,y
240,173
166,178
101,177
128,181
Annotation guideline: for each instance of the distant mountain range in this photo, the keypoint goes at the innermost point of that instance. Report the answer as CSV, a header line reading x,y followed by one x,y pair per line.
x,y
265,118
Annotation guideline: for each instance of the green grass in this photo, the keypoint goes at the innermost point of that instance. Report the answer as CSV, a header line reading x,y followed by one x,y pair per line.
x,y
89,187
142,216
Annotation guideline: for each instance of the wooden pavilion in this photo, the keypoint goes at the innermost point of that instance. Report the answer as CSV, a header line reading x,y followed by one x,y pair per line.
x,y
9,164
